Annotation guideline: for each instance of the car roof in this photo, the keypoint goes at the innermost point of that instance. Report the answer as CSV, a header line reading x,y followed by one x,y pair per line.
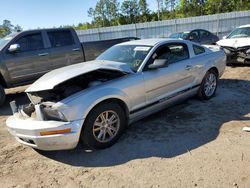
x,y
149,42
242,26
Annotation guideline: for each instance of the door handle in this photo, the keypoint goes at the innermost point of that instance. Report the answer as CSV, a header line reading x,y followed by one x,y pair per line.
x,y
43,54
76,49
188,67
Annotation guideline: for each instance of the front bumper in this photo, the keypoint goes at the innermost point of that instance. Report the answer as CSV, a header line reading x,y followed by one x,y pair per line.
x,y
27,131
237,55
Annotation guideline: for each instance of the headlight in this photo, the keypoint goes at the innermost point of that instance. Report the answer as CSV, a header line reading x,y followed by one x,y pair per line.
x,y
52,114
248,51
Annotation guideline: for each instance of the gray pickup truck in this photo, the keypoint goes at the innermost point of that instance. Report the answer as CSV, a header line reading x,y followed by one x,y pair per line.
x,y
26,56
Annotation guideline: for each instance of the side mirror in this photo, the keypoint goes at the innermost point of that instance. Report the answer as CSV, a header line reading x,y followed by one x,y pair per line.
x,y
224,37
14,48
158,63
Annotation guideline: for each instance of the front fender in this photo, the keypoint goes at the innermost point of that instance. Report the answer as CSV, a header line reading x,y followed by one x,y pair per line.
x,y
78,107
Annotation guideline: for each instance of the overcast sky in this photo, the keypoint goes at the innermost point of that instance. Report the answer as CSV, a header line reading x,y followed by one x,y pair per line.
x,y
31,14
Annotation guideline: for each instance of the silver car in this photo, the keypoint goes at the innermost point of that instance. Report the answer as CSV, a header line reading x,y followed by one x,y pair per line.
x,y
93,102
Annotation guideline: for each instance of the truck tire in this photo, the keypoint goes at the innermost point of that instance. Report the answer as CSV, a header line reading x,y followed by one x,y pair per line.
x,y
2,95
103,126
208,85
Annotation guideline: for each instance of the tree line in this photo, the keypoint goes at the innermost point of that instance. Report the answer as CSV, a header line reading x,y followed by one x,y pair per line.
x,y
7,28
112,13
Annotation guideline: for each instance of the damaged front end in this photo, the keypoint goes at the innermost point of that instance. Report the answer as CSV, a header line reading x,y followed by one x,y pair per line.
x,y
44,105
53,120
237,55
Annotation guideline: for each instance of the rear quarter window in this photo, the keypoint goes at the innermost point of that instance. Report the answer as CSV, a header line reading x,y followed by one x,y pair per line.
x,y
198,50
60,38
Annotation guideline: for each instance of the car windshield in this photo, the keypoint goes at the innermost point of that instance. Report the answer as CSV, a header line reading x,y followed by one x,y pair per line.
x,y
133,55
5,40
240,33
182,35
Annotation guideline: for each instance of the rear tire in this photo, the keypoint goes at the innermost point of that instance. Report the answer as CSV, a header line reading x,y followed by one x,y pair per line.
x,y
2,95
103,126
208,85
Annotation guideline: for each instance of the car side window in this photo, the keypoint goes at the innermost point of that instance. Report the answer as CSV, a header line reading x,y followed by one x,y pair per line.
x,y
204,34
173,53
30,42
198,50
194,36
60,38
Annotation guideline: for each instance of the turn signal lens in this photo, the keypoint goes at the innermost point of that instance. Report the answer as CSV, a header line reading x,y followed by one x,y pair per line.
x,y
63,131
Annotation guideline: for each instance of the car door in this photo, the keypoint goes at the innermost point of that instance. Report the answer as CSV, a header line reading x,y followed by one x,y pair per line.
x,y
177,76
30,61
64,49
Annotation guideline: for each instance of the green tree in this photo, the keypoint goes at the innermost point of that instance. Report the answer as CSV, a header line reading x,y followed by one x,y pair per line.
x,y
6,28
144,11
130,10
105,13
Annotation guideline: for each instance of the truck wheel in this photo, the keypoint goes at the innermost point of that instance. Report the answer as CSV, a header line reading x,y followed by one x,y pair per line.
x,y
2,95
208,85
103,126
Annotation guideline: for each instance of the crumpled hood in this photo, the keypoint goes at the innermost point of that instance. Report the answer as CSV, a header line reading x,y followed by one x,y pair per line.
x,y
58,76
235,42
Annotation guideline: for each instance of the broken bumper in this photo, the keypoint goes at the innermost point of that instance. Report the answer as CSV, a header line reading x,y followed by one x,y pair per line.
x,y
240,55
31,132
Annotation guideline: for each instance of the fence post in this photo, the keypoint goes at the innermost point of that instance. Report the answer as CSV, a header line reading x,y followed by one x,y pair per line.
x,y
175,24
135,30
98,31
218,24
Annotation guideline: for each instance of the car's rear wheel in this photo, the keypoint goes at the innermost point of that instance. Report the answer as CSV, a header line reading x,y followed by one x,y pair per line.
x,y
209,85
2,95
103,126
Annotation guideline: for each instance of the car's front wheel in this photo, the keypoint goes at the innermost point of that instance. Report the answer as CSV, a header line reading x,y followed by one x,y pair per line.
x,y
209,85
103,126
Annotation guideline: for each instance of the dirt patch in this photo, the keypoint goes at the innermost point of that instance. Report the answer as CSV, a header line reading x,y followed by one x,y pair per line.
x,y
196,143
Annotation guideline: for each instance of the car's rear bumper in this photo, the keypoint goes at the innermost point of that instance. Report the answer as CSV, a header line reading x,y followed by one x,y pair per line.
x,y
27,131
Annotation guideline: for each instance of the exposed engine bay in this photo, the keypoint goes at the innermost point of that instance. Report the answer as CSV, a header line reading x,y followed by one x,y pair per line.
x,y
42,101
74,85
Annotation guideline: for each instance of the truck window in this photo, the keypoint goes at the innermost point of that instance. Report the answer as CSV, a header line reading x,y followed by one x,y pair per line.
x,y
60,38
30,42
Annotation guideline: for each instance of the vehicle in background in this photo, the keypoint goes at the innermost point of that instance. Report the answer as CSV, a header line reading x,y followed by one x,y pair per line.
x,y
94,101
198,35
237,45
26,56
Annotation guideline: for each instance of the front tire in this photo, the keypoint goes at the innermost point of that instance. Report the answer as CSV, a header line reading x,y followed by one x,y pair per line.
x,y
2,95
209,85
103,126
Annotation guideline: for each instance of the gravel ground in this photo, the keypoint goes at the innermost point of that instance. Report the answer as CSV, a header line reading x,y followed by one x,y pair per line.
x,y
194,144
